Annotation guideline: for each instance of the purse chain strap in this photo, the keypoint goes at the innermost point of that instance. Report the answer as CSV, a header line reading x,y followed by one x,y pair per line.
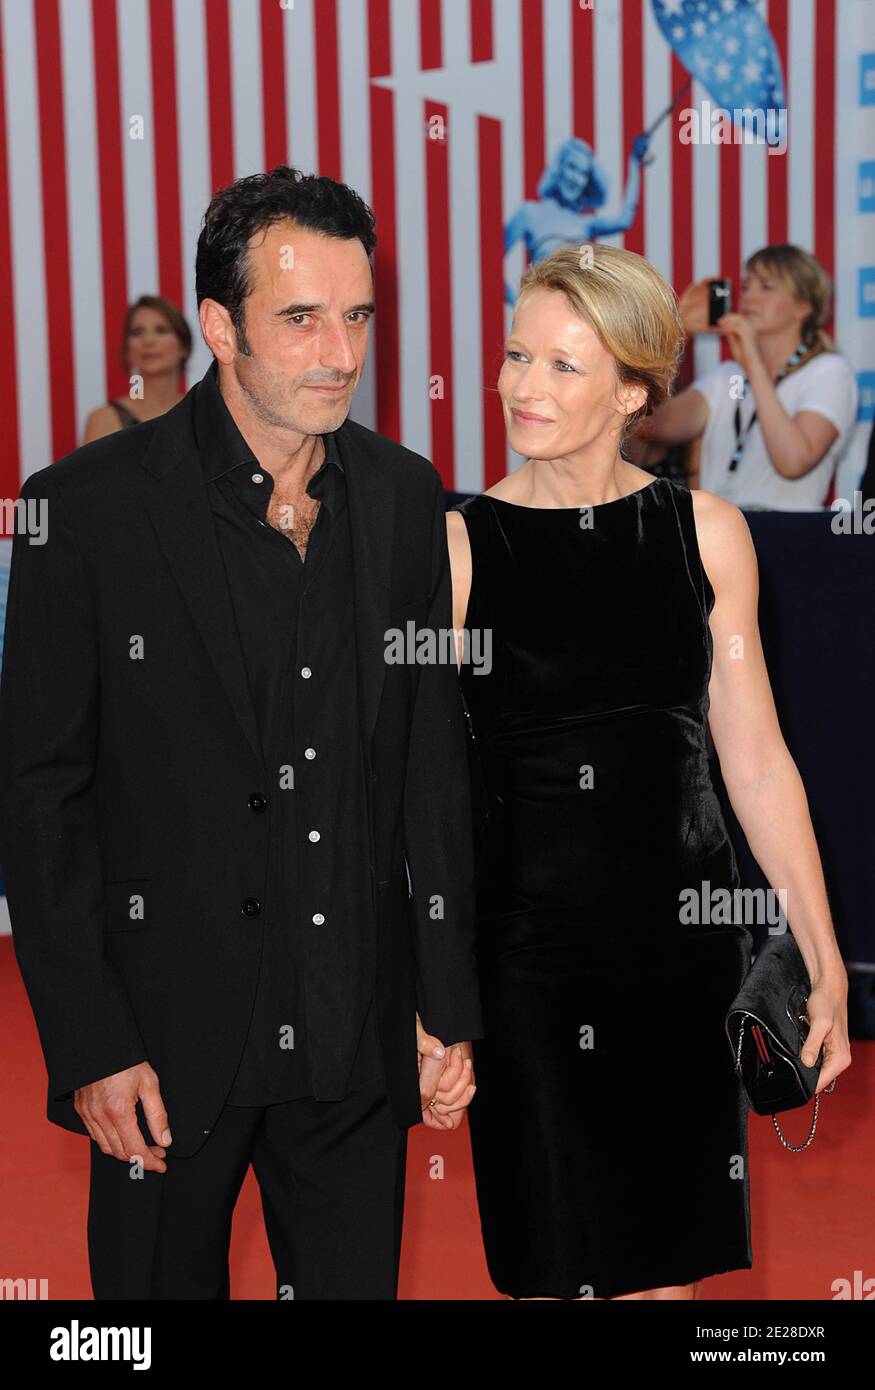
x,y
795,1148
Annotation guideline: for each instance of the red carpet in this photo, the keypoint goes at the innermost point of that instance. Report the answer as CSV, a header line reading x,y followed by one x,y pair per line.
x,y
813,1213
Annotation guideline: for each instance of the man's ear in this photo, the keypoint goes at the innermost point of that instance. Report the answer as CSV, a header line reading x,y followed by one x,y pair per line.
x,y
218,330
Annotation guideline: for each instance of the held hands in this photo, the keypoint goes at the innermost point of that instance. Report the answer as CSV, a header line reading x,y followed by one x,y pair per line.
x,y
450,1083
107,1108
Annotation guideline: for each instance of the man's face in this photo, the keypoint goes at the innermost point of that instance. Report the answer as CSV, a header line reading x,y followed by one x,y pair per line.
x,y
307,317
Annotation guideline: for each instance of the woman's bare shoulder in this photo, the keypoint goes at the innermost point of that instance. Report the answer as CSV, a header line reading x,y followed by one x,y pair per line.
x,y
101,421
724,538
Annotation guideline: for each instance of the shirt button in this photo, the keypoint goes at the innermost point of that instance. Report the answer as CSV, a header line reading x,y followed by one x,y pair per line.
x,y
250,907
306,672
314,836
318,918
258,477
309,752
257,801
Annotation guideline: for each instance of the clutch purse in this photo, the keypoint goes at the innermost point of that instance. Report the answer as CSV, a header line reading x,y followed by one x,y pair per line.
x,y
766,1025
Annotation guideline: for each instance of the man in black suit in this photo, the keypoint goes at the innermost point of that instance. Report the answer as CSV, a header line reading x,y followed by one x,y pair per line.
x,y
237,839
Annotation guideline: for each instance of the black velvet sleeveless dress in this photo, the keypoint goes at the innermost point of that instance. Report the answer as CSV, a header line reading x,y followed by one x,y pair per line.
x,y
609,1133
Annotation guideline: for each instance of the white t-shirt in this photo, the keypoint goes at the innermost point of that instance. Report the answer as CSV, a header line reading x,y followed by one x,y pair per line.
x,y
826,384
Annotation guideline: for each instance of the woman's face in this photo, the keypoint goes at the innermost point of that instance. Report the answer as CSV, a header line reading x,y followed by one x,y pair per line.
x,y
769,302
152,345
558,386
574,171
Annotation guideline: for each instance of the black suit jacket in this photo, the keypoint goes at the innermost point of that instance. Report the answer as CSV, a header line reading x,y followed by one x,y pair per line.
x,y
130,764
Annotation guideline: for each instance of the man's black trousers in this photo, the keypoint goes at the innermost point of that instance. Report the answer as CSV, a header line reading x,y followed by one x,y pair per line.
x,y
331,1175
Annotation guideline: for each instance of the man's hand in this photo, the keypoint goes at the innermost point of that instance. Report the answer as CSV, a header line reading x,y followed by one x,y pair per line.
x,y
447,1080
107,1108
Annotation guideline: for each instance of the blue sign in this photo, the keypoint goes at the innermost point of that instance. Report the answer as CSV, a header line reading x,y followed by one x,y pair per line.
x,y
866,282
866,383
866,185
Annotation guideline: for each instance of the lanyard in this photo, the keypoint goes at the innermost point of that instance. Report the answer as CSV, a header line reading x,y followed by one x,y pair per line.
x,y
741,437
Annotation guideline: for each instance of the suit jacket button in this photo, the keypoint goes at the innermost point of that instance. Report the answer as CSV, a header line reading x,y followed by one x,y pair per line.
x,y
257,801
250,907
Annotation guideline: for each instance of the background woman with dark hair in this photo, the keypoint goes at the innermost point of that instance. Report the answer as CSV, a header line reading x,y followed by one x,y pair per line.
x,y
156,345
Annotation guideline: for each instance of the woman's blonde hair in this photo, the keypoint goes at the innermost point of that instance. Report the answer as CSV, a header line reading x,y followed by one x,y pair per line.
x,y
628,304
806,278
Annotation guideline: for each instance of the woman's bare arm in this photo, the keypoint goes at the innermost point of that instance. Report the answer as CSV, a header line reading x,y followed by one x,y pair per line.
x,y
761,778
460,569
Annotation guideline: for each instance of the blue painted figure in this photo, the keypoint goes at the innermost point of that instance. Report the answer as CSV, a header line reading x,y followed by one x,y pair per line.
x,y
571,189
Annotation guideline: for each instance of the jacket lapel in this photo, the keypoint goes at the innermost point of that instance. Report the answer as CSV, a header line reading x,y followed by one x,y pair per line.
x,y
175,496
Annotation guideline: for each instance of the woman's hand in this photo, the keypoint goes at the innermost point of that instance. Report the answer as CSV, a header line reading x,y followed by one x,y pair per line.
x,y
693,308
742,340
828,1016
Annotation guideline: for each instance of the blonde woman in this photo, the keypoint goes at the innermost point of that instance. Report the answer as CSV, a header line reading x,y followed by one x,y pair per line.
x,y
778,445
608,1131
156,345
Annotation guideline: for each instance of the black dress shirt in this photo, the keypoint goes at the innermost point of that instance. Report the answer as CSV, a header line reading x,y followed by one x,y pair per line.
x,y
312,1031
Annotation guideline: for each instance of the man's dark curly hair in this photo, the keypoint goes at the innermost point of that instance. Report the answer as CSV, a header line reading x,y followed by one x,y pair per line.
x,y
254,203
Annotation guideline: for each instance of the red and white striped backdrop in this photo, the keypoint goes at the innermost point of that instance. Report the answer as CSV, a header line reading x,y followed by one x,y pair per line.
x,y
90,217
